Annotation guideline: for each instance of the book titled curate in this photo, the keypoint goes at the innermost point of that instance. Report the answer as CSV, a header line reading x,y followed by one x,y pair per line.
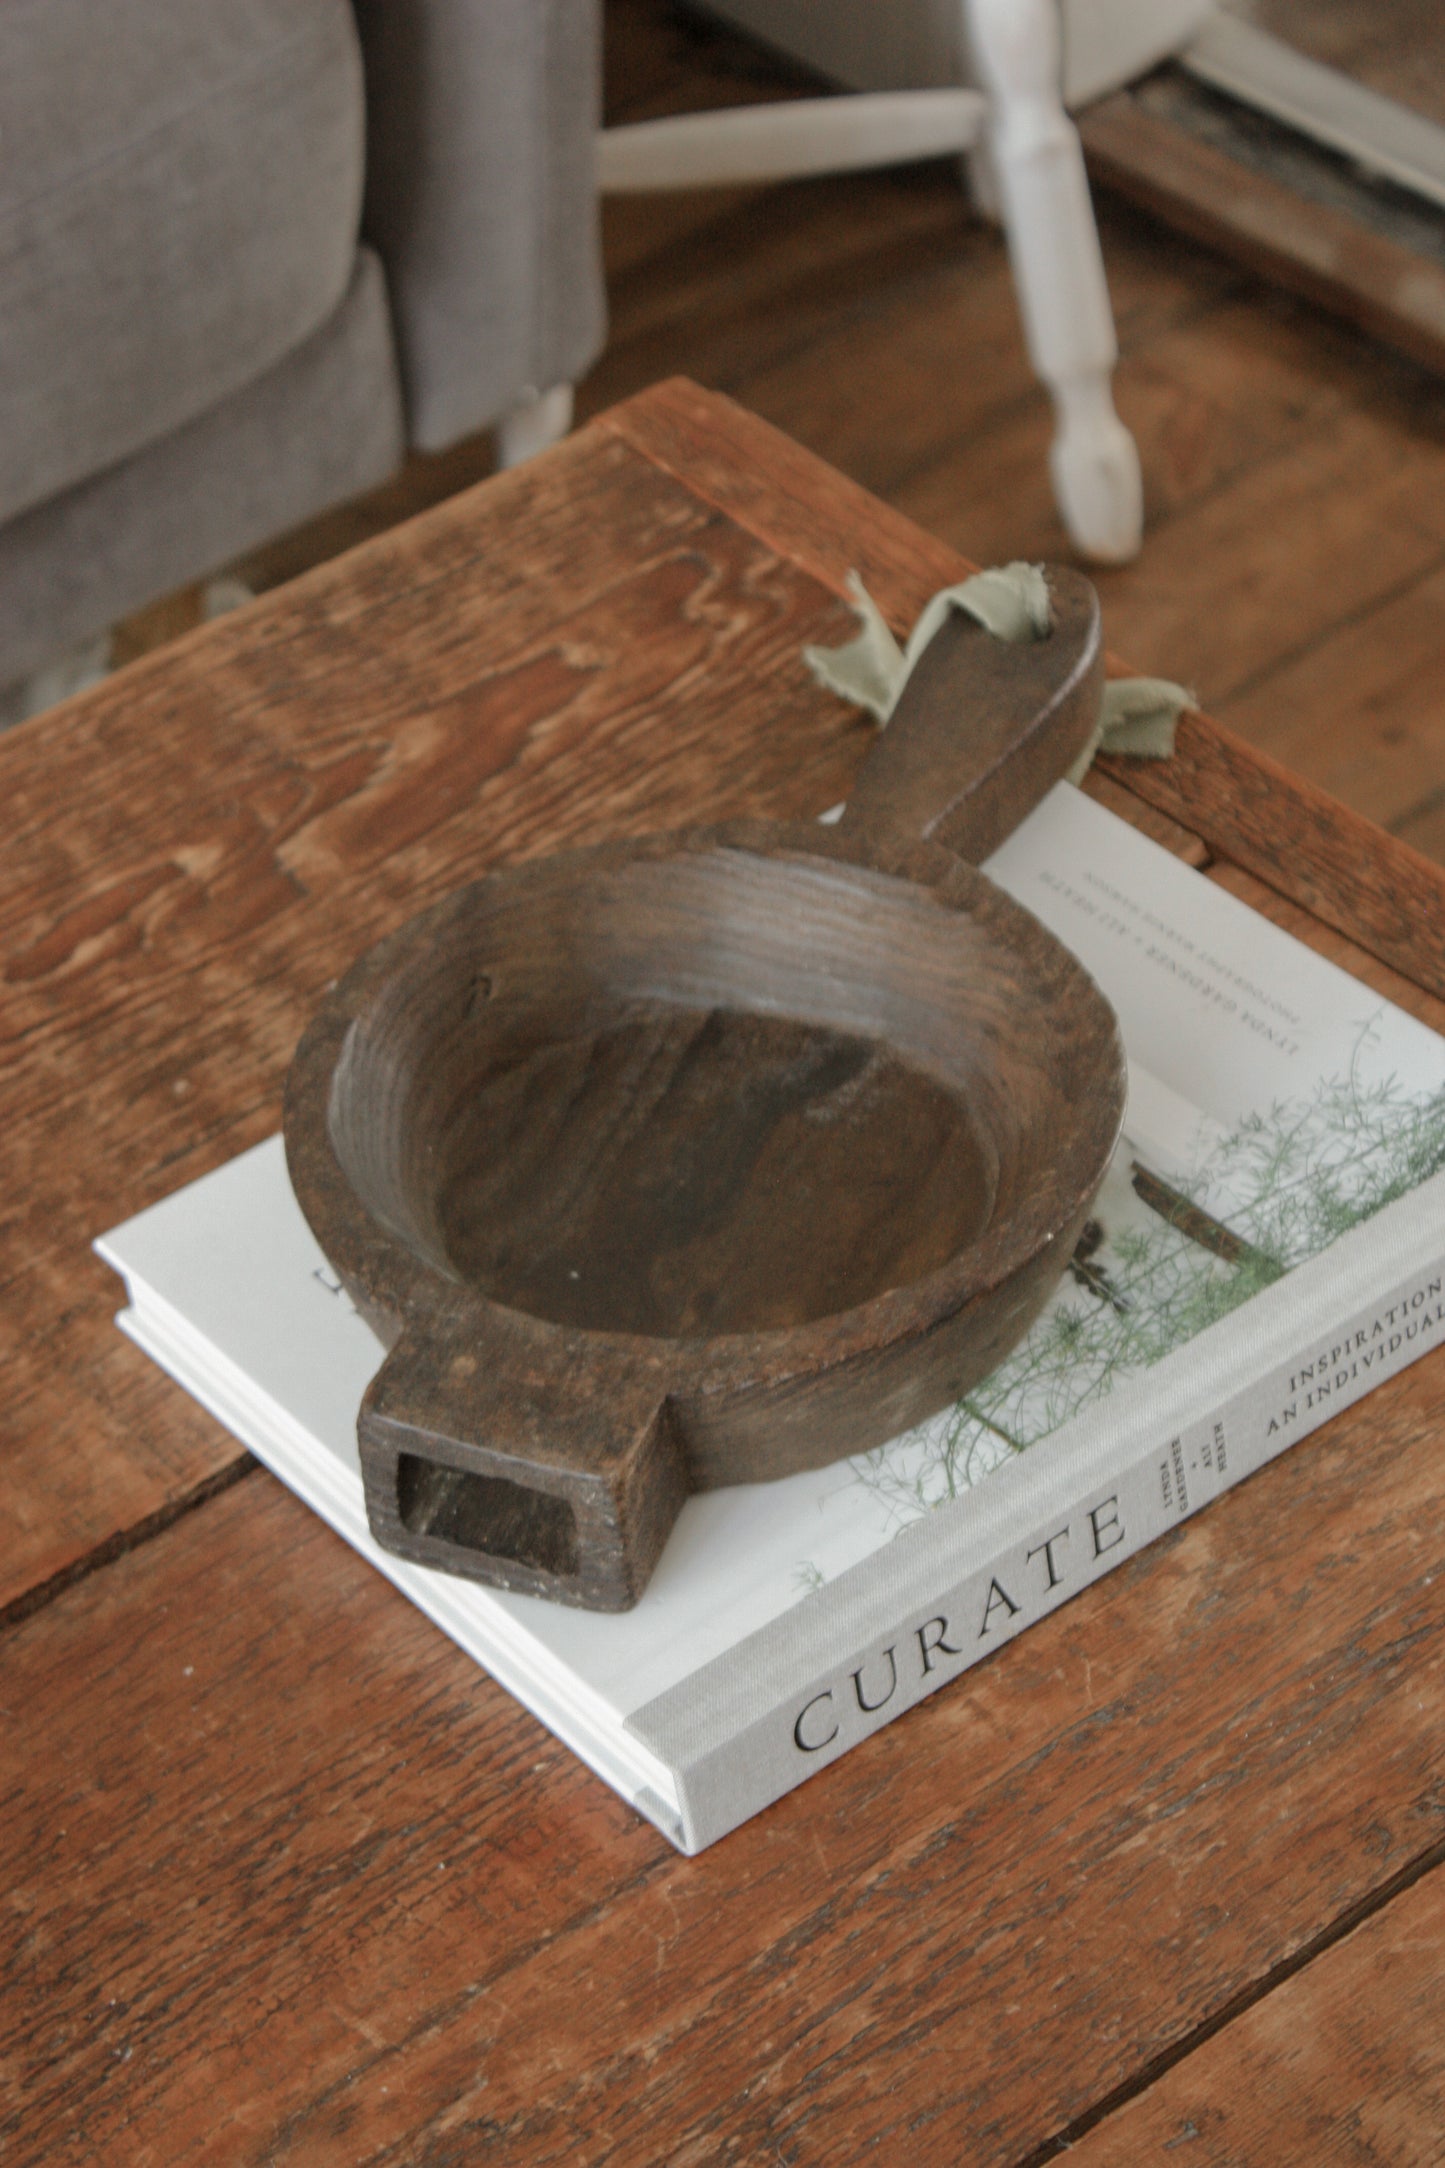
x,y
1268,1245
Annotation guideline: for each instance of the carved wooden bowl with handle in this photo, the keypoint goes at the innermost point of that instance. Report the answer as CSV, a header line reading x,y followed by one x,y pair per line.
x,y
710,1157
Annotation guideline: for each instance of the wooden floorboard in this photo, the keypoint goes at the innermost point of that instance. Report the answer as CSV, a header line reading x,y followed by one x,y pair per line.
x,y
1389,664
1299,2062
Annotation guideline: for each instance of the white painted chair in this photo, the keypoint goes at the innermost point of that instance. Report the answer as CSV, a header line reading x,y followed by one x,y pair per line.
x,y
1037,165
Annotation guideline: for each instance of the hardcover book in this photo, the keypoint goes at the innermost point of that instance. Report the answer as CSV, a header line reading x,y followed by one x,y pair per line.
x,y
1269,1244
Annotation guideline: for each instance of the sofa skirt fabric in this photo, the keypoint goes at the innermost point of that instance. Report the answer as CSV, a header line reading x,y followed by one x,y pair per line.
x,y
180,196
481,197
319,426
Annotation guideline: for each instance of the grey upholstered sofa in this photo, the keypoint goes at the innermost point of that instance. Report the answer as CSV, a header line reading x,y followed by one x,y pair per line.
x,y
249,250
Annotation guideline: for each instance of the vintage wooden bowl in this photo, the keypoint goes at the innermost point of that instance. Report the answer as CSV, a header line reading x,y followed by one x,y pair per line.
x,y
713,1156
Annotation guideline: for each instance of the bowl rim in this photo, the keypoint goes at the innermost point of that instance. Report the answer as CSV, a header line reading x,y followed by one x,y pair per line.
x,y
395,1286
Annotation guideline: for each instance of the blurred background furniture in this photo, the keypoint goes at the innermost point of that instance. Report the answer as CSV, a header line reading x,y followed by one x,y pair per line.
x,y
1304,137
916,44
209,335
251,254
253,250
1306,140
1031,170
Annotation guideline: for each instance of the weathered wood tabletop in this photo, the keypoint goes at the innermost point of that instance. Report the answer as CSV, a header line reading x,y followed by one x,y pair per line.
x,y
286,1879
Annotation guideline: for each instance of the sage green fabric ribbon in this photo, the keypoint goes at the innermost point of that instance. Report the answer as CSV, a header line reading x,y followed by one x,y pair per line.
x,y
1136,716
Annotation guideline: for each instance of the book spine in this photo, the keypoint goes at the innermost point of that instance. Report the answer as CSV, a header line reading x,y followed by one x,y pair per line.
x,y
1074,1545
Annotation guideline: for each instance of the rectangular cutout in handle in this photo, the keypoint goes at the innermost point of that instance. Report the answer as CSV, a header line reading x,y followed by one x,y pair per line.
x,y
486,1513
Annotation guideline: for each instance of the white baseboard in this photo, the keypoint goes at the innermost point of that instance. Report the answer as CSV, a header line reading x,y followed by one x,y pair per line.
x,y
1381,135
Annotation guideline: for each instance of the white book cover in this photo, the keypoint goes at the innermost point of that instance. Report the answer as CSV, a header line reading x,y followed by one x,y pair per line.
x,y
1268,1244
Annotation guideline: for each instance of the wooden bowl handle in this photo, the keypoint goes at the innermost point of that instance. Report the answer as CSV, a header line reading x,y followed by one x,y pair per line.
x,y
554,1475
983,729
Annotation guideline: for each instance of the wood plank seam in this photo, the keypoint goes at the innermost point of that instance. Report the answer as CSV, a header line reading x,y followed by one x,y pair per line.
x,y
431,2020
1432,801
1430,1861
124,1540
1290,657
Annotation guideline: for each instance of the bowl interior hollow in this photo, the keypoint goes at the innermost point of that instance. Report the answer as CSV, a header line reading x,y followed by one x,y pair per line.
x,y
714,1090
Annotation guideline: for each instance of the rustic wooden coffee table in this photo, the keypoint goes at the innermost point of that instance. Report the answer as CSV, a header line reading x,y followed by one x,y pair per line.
x,y
286,1879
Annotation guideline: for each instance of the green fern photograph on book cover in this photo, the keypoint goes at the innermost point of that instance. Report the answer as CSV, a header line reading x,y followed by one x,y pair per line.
x,y
1164,1257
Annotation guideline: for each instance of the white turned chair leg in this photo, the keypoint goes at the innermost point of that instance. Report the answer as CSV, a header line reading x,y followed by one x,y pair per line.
x,y
1059,271
536,421
980,182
